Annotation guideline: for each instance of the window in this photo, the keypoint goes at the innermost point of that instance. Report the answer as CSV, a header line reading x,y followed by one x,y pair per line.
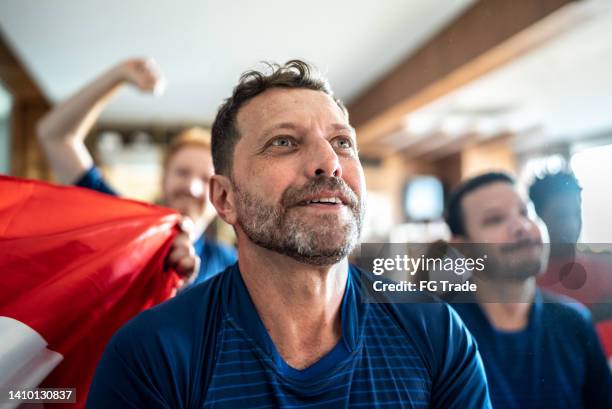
x,y
593,167
5,130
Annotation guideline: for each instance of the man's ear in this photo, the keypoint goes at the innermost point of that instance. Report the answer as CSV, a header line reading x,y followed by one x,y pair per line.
x,y
222,196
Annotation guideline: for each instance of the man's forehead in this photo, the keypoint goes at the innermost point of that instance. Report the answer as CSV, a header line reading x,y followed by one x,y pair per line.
x,y
492,195
285,107
191,155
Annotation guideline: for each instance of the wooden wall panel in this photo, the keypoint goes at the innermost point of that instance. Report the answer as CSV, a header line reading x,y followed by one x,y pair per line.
x,y
28,106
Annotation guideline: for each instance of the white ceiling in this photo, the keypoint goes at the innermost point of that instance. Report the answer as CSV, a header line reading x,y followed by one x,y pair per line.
x,y
203,46
560,91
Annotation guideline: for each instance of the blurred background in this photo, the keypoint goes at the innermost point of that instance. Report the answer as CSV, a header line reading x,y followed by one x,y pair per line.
x,y
438,90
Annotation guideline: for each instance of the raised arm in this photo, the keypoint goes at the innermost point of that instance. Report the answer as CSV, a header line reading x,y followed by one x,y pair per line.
x,y
63,130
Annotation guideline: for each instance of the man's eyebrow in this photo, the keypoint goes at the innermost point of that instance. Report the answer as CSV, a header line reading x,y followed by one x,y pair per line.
x,y
294,127
343,127
492,211
280,126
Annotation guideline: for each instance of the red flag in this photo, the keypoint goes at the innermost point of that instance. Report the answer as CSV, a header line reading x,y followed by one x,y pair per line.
x,y
74,266
604,329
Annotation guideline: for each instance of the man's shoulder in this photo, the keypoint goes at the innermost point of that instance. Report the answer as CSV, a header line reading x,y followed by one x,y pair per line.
x,y
561,308
430,317
166,349
437,333
413,303
92,179
420,313
177,322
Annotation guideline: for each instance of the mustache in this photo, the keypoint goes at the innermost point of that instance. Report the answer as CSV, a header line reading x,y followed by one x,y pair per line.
x,y
294,196
519,245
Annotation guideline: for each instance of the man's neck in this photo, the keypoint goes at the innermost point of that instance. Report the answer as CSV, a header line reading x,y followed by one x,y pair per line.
x,y
298,303
511,312
199,229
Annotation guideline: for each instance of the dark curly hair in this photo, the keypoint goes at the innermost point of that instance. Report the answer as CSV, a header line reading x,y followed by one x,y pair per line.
x,y
454,209
545,187
293,74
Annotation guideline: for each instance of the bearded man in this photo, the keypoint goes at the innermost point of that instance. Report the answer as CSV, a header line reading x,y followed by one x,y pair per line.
x,y
288,326
539,350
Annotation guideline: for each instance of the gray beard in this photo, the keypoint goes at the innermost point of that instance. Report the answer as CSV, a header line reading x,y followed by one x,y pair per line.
x,y
282,229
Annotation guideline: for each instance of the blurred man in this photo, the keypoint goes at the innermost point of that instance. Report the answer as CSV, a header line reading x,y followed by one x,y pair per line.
x,y
580,274
539,351
557,200
187,166
288,326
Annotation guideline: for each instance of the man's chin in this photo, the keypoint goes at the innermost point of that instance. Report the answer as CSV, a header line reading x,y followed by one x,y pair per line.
x,y
318,259
320,253
323,222
526,269
309,246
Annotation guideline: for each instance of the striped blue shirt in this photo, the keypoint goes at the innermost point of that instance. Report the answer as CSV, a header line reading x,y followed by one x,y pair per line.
x,y
208,348
556,362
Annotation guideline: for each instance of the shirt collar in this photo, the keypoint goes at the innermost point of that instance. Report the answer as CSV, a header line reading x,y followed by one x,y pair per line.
x,y
239,309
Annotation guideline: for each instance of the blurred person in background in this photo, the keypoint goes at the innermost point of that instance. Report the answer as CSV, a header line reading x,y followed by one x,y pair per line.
x,y
539,350
580,274
187,164
575,271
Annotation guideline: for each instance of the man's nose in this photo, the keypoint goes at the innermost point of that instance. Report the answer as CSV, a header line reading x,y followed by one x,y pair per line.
x,y
323,160
196,187
522,227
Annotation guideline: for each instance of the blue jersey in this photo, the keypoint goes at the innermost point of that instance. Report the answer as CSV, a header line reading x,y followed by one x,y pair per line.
x,y
214,256
208,348
556,362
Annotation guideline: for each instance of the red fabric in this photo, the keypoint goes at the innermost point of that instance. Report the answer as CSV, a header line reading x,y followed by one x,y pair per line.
x,y
587,280
604,329
76,264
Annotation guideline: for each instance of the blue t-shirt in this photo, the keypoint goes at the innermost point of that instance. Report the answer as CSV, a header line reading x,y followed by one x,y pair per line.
x,y
214,256
556,362
209,348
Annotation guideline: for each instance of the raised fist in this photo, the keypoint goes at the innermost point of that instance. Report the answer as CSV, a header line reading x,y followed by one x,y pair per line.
x,y
144,74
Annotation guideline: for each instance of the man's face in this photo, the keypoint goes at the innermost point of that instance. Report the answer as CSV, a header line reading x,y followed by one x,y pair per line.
x,y
185,181
297,178
497,217
562,215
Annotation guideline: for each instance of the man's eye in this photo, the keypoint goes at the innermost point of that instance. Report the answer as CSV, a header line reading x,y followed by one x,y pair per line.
x,y
182,172
283,142
493,220
343,143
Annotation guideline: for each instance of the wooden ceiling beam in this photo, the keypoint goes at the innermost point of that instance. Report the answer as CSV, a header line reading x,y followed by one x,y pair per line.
x,y
486,36
15,76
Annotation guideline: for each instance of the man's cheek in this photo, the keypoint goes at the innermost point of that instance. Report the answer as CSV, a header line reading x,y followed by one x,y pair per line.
x,y
539,231
498,235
